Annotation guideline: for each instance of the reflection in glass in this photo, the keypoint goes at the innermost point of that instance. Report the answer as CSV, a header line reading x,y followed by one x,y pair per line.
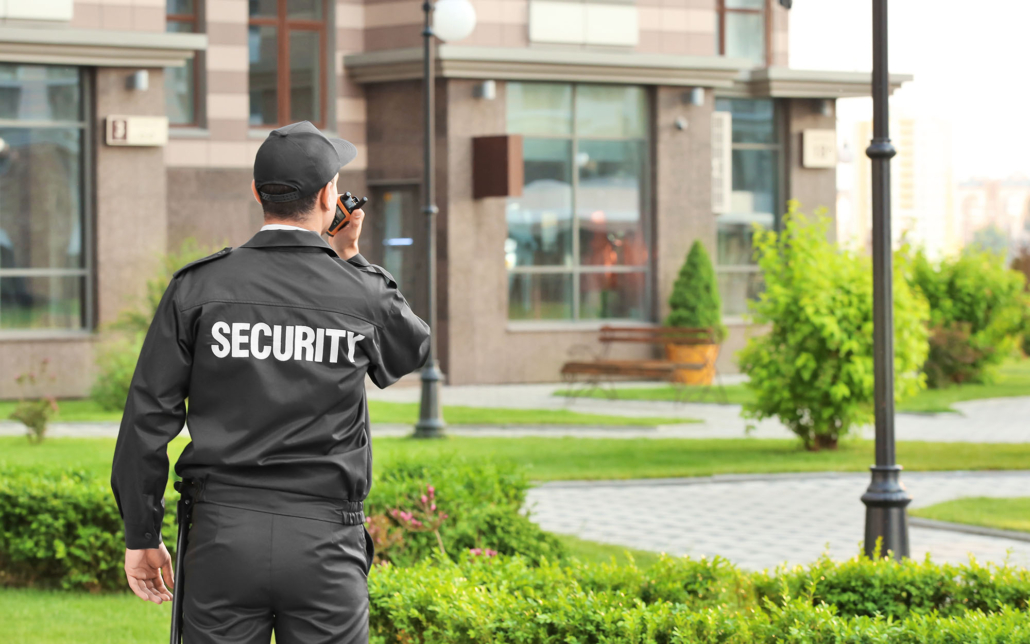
x,y
753,119
540,221
539,296
753,201
42,302
305,73
304,10
39,93
542,109
738,288
40,198
179,84
608,203
264,8
745,4
611,111
612,295
745,36
179,8
262,45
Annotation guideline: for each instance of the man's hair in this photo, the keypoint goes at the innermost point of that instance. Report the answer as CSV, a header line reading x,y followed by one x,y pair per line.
x,y
289,210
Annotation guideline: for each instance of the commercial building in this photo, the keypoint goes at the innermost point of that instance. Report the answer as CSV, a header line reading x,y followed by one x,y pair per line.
x,y
641,126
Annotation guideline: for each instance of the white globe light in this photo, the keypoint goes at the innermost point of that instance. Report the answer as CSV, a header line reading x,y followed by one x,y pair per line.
x,y
453,19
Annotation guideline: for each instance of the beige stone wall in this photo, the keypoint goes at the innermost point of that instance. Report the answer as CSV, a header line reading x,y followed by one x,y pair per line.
x,y
812,187
685,27
122,15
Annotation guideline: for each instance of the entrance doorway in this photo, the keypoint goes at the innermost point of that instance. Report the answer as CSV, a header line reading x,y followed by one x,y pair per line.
x,y
397,240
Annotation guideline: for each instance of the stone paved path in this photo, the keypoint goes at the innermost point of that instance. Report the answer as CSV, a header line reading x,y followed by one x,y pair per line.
x,y
762,521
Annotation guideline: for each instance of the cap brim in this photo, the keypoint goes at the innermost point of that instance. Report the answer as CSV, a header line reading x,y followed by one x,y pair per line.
x,y
345,149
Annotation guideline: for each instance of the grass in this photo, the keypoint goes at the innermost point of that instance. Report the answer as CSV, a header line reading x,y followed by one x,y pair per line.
x,y
559,458
56,617
85,410
1012,379
1002,514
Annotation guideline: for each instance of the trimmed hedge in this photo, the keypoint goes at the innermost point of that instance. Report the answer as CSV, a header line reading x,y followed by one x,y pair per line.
x,y
62,529
680,600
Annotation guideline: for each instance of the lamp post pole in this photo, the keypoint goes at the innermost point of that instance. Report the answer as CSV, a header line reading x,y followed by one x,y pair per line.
x,y
886,498
430,420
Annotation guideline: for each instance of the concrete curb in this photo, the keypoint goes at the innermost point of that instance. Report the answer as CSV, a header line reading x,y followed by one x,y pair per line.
x,y
916,522
745,478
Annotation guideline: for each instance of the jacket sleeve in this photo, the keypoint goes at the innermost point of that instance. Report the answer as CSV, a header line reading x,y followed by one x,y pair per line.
x,y
401,342
155,412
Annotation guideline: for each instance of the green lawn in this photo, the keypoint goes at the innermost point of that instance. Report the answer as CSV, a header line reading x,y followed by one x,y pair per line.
x,y
407,414
601,458
1003,514
56,617
1013,379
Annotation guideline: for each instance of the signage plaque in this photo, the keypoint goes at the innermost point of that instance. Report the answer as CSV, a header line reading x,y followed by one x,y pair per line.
x,y
137,130
819,148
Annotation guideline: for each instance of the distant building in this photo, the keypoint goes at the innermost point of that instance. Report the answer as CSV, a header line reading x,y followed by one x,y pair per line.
x,y
922,186
995,212
645,125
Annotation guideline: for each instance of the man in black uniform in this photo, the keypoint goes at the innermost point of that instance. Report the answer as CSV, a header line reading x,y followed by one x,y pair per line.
x,y
270,343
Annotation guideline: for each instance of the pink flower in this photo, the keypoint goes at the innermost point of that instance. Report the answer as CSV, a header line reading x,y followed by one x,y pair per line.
x,y
433,507
424,499
490,553
475,551
443,516
431,490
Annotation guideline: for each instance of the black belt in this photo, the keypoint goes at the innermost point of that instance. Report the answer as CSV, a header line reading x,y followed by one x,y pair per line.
x,y
291,504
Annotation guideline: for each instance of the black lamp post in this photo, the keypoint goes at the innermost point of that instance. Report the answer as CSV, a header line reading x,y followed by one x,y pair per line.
x,y
455,20
886,498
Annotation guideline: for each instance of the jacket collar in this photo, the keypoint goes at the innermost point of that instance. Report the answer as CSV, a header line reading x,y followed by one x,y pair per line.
x,y
288,239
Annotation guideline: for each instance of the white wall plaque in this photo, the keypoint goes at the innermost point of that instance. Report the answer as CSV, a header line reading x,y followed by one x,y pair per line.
x,y
819,149
137,130
58,10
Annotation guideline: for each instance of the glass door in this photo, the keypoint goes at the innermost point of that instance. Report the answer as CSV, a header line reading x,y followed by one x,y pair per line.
x,y
396,240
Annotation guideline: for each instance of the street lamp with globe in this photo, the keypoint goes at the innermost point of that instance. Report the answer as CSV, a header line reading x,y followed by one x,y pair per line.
x,y
447,20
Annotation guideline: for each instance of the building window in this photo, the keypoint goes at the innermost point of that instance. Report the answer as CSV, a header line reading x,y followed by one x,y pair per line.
x,y
755,197
287,48
578,239
181,82
44,243
740,30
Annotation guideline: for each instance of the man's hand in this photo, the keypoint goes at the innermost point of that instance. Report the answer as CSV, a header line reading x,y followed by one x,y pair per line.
x,y
345,242
144,570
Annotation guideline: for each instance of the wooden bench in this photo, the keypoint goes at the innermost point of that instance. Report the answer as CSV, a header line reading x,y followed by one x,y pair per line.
x,y
598,370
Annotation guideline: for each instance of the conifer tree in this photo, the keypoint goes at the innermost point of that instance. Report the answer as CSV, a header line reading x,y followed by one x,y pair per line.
x,y
695,301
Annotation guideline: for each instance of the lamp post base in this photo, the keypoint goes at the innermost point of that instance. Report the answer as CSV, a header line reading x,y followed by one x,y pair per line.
x,y
885,516
430,423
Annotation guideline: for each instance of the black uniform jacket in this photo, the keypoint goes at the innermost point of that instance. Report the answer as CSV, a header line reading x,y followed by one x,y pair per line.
x,y
270,343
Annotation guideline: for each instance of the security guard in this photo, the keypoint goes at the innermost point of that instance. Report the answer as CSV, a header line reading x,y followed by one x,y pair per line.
x,y
270,343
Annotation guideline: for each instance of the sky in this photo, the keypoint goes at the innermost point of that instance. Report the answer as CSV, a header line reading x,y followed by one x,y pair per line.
x,y
970,60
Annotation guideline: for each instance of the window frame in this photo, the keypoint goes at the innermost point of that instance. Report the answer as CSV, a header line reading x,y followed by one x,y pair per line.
x,y
780,128
576,269
721,10
195,21
286,26
88,187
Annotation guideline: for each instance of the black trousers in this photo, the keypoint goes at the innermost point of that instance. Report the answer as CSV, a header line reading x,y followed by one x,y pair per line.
x,y
250,571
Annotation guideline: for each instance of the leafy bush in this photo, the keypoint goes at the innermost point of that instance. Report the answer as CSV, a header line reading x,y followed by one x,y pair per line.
x,y
814,369
34,413
976,312
116,361
507,600
694,301
62,529
116,356
1021,263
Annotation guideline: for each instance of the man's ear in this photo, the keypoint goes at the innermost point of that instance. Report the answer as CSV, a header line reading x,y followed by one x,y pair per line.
x,y
326,196
253,188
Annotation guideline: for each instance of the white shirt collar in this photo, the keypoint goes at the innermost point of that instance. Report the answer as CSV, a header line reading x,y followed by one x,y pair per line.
x,y
285,227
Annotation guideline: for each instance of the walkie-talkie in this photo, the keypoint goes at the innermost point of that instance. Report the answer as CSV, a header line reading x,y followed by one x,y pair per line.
x,y
345,205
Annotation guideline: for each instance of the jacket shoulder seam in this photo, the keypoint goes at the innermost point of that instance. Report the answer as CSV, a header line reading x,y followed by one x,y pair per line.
x,y
283,305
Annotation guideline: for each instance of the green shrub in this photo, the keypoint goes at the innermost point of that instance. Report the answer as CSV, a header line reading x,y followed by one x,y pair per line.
x,y
694,301
116,356
505,599
976,312
115,363
1021,263
814,369
62,529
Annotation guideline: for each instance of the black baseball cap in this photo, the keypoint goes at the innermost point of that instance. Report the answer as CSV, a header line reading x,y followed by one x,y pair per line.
x,y
299,156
